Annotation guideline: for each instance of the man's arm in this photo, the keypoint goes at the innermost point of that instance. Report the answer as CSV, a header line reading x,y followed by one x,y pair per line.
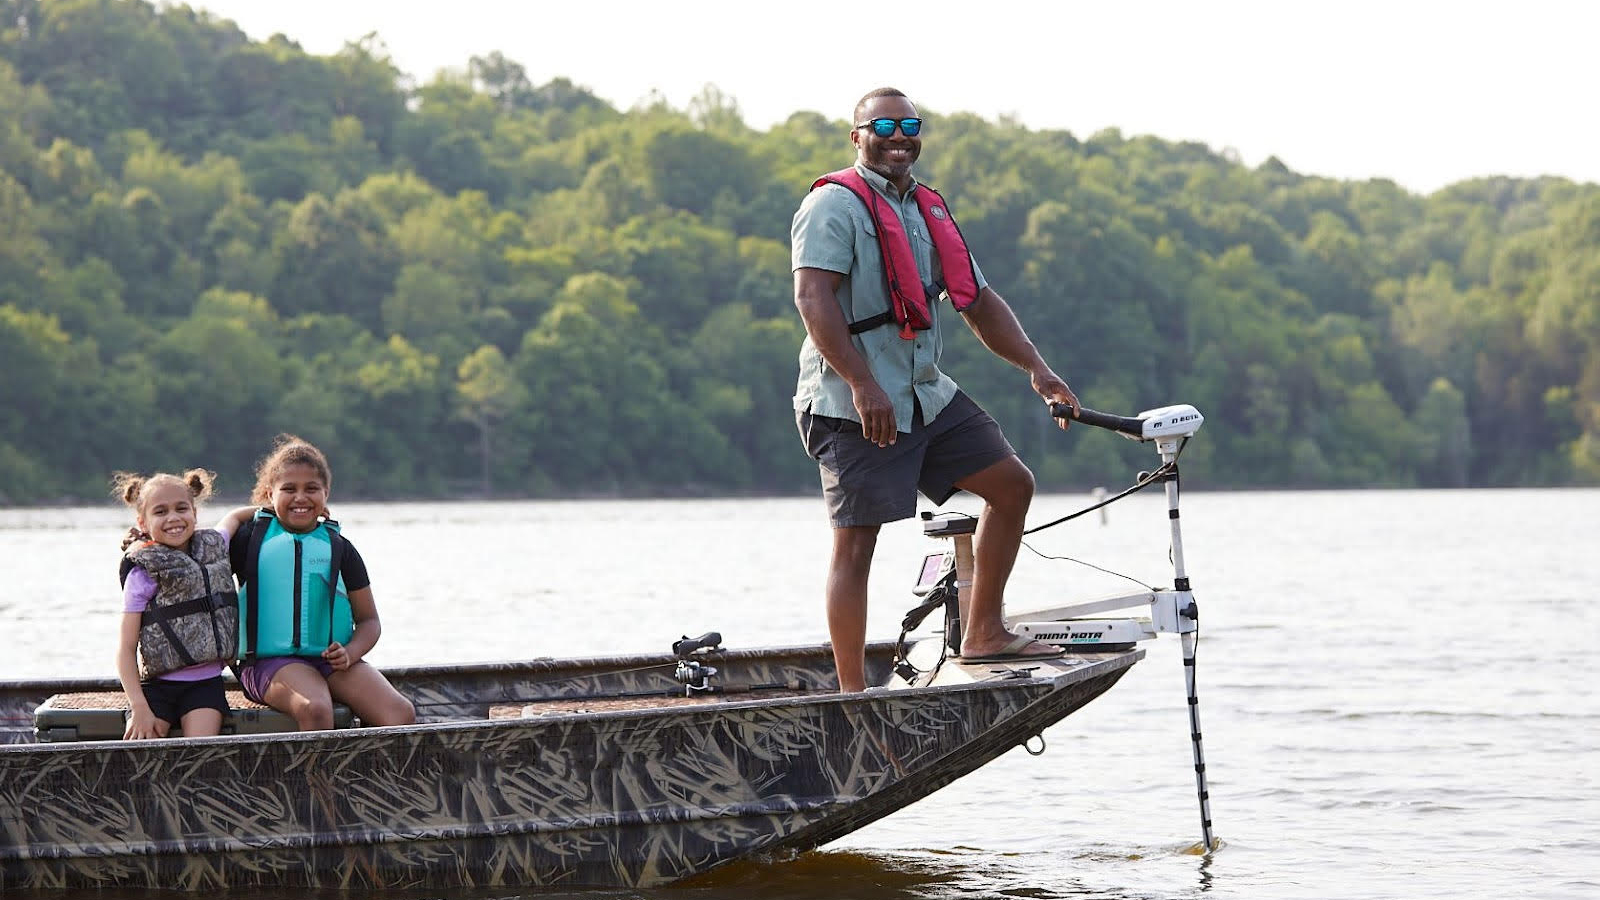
x,y
992,320
814,291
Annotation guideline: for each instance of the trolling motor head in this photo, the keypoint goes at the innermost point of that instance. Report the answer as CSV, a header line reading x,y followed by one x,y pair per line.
x,y
1181,420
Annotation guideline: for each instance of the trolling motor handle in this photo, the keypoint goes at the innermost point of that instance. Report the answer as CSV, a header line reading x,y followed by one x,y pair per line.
x,y
1121,424
1181,420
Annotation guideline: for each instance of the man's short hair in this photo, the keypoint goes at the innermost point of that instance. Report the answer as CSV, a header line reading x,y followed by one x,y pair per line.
x,y
871,95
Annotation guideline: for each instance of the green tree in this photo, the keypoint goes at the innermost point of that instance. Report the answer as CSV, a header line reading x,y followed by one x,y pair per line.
x,y
487,390
335,257
23,255
1441,418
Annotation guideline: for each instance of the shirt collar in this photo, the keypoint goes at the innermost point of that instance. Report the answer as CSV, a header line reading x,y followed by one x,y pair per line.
x,y
882,185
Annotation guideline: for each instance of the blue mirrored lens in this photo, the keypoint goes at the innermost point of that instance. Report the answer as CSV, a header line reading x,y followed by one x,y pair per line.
x,y
885,127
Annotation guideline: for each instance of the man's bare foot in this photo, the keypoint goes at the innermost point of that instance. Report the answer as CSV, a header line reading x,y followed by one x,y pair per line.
x,y
1018,648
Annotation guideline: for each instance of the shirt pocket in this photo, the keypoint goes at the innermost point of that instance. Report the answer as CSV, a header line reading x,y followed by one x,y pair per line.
x,y
867,233
922,247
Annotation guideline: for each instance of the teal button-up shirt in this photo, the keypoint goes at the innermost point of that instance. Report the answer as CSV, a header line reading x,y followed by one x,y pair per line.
x,y
832,230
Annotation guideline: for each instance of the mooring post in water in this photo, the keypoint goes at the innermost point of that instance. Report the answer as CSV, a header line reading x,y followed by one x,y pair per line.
x,y
1168,449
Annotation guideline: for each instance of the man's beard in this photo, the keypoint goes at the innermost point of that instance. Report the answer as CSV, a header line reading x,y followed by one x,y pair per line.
x,y
878,160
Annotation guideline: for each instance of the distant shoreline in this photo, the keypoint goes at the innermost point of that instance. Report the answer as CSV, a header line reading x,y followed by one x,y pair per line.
x,y
693,494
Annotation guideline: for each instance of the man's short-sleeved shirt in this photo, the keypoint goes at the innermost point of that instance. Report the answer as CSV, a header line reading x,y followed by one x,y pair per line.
x,y
833,231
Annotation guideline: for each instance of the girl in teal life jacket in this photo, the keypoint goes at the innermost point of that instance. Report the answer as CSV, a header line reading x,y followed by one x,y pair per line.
x,y
180,616
306,613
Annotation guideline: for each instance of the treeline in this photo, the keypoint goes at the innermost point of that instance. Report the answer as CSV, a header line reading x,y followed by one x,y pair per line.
x,y
478,284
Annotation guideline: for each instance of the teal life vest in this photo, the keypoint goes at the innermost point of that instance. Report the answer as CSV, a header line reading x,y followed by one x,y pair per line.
x,y
293,601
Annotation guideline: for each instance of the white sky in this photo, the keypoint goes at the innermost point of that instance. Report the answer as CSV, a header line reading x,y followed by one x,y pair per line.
x,y
1425,93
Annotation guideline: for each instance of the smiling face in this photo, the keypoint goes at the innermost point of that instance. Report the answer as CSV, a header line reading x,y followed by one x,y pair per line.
x,y
892,156
168,514
299,496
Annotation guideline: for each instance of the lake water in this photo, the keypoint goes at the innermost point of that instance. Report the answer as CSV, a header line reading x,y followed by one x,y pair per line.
x,y
1397,688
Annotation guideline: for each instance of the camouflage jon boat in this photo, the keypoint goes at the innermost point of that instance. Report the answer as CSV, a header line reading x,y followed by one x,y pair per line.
x,y
627,771
594,772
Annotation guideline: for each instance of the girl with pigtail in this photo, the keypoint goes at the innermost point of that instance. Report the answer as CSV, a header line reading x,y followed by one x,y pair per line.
x,y
180,621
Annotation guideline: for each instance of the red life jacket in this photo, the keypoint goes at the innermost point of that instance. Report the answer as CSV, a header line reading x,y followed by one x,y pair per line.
x,y
909,298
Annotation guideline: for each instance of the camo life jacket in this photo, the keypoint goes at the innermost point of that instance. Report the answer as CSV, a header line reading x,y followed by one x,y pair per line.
x,y
194,616
910,298
293,599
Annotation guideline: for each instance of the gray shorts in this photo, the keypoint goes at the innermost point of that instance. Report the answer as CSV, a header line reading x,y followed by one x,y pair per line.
x,y
865,484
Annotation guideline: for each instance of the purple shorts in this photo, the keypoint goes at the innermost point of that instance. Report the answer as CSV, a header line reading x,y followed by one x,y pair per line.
x,y
255,678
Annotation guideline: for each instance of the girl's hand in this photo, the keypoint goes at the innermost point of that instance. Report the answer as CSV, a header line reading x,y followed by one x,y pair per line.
x,y
143,724
338,657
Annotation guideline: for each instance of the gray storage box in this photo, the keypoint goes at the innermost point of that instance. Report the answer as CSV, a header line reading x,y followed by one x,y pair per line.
x,y
103,716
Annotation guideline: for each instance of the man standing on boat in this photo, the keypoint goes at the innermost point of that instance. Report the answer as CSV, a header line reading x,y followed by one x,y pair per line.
x,y
873,254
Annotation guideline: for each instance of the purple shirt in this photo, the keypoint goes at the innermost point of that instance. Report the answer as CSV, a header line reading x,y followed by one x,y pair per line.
x,y
137,592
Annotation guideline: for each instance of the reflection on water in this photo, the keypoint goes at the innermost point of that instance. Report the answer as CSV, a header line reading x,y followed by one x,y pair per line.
x,y
1394,686
954,874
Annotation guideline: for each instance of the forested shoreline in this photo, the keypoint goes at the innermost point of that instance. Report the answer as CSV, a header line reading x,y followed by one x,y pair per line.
x,y
471,285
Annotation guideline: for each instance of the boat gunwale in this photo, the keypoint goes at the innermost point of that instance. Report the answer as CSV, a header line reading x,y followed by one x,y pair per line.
x,y
1043,684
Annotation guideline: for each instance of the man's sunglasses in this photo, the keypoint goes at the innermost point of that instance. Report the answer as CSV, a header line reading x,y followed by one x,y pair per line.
x,y
885,127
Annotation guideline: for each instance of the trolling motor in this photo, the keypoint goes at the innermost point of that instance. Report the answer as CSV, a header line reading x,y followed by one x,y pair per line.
x,y
946,577
691,672
1174,611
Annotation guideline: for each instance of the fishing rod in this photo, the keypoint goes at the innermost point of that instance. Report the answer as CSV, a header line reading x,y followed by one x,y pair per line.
x,y
690,670
686,690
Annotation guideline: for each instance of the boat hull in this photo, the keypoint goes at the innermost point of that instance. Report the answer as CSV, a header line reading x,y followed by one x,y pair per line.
x,y
571,797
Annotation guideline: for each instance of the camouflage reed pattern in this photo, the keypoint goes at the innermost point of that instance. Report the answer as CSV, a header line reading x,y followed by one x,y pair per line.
x,y
576,796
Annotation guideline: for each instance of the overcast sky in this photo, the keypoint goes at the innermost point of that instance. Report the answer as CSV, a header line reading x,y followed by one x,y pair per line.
x,y
1425,93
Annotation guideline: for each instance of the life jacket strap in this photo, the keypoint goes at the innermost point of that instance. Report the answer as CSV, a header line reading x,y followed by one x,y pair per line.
x,y
178,610
933,291
335,563
871,322
164,622
252,612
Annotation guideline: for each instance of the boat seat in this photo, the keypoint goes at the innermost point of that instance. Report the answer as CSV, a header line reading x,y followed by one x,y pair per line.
x,y
103,716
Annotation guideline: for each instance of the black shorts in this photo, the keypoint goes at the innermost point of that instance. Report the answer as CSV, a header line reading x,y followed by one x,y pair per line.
x,y
171,700
865,484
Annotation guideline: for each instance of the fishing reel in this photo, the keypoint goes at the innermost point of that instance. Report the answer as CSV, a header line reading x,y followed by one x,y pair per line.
x,y
695,676
691,672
